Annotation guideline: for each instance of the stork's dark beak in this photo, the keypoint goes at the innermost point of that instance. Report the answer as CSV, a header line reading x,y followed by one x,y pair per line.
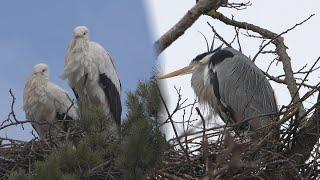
x,y
183,71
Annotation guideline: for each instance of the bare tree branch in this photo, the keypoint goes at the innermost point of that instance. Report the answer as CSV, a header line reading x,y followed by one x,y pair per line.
x,y
202,7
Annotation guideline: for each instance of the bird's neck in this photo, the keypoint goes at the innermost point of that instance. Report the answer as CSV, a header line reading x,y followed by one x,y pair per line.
x,y
40,81
202,87
80,45
37,85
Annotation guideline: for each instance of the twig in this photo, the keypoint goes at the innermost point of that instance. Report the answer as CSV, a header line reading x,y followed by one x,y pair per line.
x,y
219,37
172,124
310,70
275,37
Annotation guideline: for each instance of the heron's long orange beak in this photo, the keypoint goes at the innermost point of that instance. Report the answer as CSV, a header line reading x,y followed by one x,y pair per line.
x,y
183,71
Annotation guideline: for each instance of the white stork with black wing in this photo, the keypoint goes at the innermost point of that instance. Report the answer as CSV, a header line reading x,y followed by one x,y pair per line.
x,y
48,105
92,75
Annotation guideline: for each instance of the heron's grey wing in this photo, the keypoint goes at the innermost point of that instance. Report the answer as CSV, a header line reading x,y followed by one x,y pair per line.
x,y
62,102
244,88
224,110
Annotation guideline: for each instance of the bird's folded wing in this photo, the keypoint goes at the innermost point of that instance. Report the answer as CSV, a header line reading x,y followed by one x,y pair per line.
x,y
244,88
62,101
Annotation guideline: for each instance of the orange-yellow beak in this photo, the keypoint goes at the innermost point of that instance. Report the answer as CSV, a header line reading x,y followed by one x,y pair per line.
x,y
183,71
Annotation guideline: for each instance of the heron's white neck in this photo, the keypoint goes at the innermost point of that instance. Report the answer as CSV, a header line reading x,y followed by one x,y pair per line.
x,y
202,87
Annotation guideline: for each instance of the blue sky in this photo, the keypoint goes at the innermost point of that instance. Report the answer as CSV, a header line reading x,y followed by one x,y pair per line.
x,y
38,31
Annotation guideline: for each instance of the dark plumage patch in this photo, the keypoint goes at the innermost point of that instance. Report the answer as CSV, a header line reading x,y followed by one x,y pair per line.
x,y
201,56
61,116
75,93
215,84
219,56
112,96
227,110
230,112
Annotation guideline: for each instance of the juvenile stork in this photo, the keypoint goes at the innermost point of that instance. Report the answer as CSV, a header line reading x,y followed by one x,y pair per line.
x,y
48,105
91,73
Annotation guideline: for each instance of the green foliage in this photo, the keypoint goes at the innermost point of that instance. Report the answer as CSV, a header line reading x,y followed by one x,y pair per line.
x,y
66,162
92,121
142,144
19,175
137,154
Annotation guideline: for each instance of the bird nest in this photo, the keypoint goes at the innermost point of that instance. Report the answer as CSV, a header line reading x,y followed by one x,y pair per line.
x,y
210,153
213,153
288,148
16,154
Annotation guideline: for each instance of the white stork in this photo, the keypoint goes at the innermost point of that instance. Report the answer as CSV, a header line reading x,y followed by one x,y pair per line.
x,y
47,104
92,75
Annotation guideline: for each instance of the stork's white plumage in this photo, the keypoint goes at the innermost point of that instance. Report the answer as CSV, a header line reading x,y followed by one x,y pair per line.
x,y
92,75
47,104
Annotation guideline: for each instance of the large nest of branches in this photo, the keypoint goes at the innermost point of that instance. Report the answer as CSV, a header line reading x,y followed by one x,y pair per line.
x,y
209,153
220,153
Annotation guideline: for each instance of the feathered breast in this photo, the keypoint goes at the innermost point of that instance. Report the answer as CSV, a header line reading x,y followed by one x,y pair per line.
x,y
34,94
79,62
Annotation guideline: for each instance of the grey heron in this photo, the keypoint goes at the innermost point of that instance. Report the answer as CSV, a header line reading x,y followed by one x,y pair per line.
x,y
92,75
229,83
48,105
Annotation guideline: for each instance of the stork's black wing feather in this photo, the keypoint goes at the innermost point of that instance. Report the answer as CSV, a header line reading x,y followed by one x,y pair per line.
x,y
113,97
61,116
75,93
66,117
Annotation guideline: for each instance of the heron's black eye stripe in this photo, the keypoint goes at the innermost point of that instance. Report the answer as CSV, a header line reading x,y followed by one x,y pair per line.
x,y
219,56
200,56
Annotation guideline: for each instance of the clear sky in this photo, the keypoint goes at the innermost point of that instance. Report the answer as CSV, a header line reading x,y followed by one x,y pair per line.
x,y
37,31
277,16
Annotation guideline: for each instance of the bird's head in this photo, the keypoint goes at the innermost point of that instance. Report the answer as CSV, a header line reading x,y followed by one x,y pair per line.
x,y
201,64
41,69
81,32
202,68
198,65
